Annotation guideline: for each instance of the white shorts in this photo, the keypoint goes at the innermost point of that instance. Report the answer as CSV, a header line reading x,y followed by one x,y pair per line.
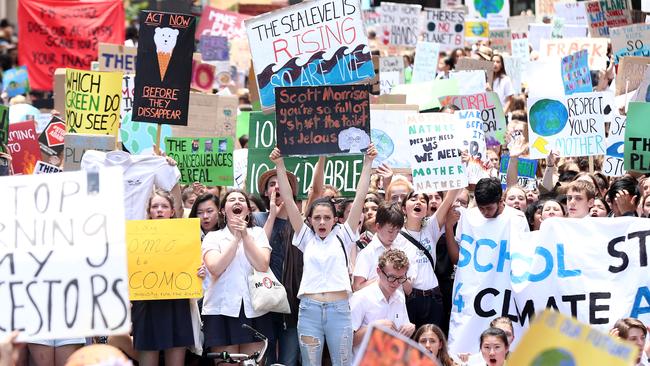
x,y
60,342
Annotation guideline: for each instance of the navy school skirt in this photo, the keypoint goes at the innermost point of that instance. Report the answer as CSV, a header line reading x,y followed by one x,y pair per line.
x,y
221,330
161,324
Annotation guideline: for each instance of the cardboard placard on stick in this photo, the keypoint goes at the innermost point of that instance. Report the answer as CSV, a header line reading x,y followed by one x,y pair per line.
x,y
117,57
76,145
51,140
630,74
471,64
93,102
210,115
207,160
23,147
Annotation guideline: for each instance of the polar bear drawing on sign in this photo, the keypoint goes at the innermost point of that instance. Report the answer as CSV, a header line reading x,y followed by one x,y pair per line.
x,y
353,139
165,40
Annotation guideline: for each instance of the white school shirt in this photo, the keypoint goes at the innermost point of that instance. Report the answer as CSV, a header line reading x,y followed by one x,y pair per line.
x,y
503,87
140,174
324,268
368,258
224,295
424,277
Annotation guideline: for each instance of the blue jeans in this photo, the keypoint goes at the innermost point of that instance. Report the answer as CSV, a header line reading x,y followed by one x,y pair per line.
x,y
319,322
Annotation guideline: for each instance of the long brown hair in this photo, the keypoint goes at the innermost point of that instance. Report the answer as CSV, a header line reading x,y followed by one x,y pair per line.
x,y
443,353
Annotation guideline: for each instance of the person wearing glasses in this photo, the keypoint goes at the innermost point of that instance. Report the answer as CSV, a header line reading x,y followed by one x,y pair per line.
x,y
381,303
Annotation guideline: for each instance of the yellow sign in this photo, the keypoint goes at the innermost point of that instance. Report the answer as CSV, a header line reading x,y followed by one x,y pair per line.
x,y
164,257
556,339
92,102
476,29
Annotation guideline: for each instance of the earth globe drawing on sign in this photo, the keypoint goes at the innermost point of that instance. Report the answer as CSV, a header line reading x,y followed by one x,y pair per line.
x,y
548,117
477,29
488,6
383,143
554,357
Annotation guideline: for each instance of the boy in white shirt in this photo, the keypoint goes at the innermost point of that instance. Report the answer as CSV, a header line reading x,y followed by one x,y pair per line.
x,y
380,302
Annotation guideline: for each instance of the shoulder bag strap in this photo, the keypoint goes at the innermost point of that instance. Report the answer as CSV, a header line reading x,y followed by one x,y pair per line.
x,y
419,246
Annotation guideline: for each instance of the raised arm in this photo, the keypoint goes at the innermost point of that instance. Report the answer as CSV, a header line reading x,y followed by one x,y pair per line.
x,y
362,188
285,191
518,147
441,212
317,183
549,172
450,238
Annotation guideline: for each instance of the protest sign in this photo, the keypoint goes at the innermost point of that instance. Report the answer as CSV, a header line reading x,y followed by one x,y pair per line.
x,y
126,106
139,137
632,40
500,40
23,147
597,48
631,71
471,64
214,48
383,346
202,76
390,135
576,76
15,81
288,52
425,64
400,24
222,23
571,125
554,336
445,27
210,115
613,163
481,9
520,49
526,170
514,67
52,138
544,8
519,25
642,94
163,257
391,73
544,77
426,94
76,145
491,113
637,140
59,34
502,274
540,31
207,160
323,120
45,168
371,18
434,152
74,270
497,21
476,30
606,14
93,102
471,132
164,69
571,12
4,126
117,57
469,81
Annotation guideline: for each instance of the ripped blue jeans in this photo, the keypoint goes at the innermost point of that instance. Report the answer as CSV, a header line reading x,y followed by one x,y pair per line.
x,y
319,322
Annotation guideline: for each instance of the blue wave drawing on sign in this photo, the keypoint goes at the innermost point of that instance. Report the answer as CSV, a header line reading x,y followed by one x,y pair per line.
x,y
341,68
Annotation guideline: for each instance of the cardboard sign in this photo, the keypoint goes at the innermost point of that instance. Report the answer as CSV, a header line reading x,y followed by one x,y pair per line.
x,y
571,12
471,64
544,8
117,57
613,163
202,76
491,113
327,120
576,76
59,34
597,48
390,135
643,92
52,138
435,152
214,48
164,69
571,125
606,14
163,257
476,30
526,172
384,346
471,132
426,94
126,106
4,126
637,154
45,168
445,27
15,81
290,52
554,336
425,64
209,116
514,67
207,160
519,25
483,8
632,40
93,102
23,147
72,277
630,73
76,145
400,24
500,40
222,23
391,73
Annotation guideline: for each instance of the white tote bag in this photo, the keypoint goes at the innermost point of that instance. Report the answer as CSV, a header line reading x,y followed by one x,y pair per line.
x,y
267,293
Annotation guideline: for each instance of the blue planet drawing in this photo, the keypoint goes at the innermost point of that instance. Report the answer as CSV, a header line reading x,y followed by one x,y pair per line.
x,y
616,150
486,7
383,143
477,29
554,357
548,117
139,137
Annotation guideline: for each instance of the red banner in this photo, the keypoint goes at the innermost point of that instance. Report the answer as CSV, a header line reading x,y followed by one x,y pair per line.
x,y
54,34
216,22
